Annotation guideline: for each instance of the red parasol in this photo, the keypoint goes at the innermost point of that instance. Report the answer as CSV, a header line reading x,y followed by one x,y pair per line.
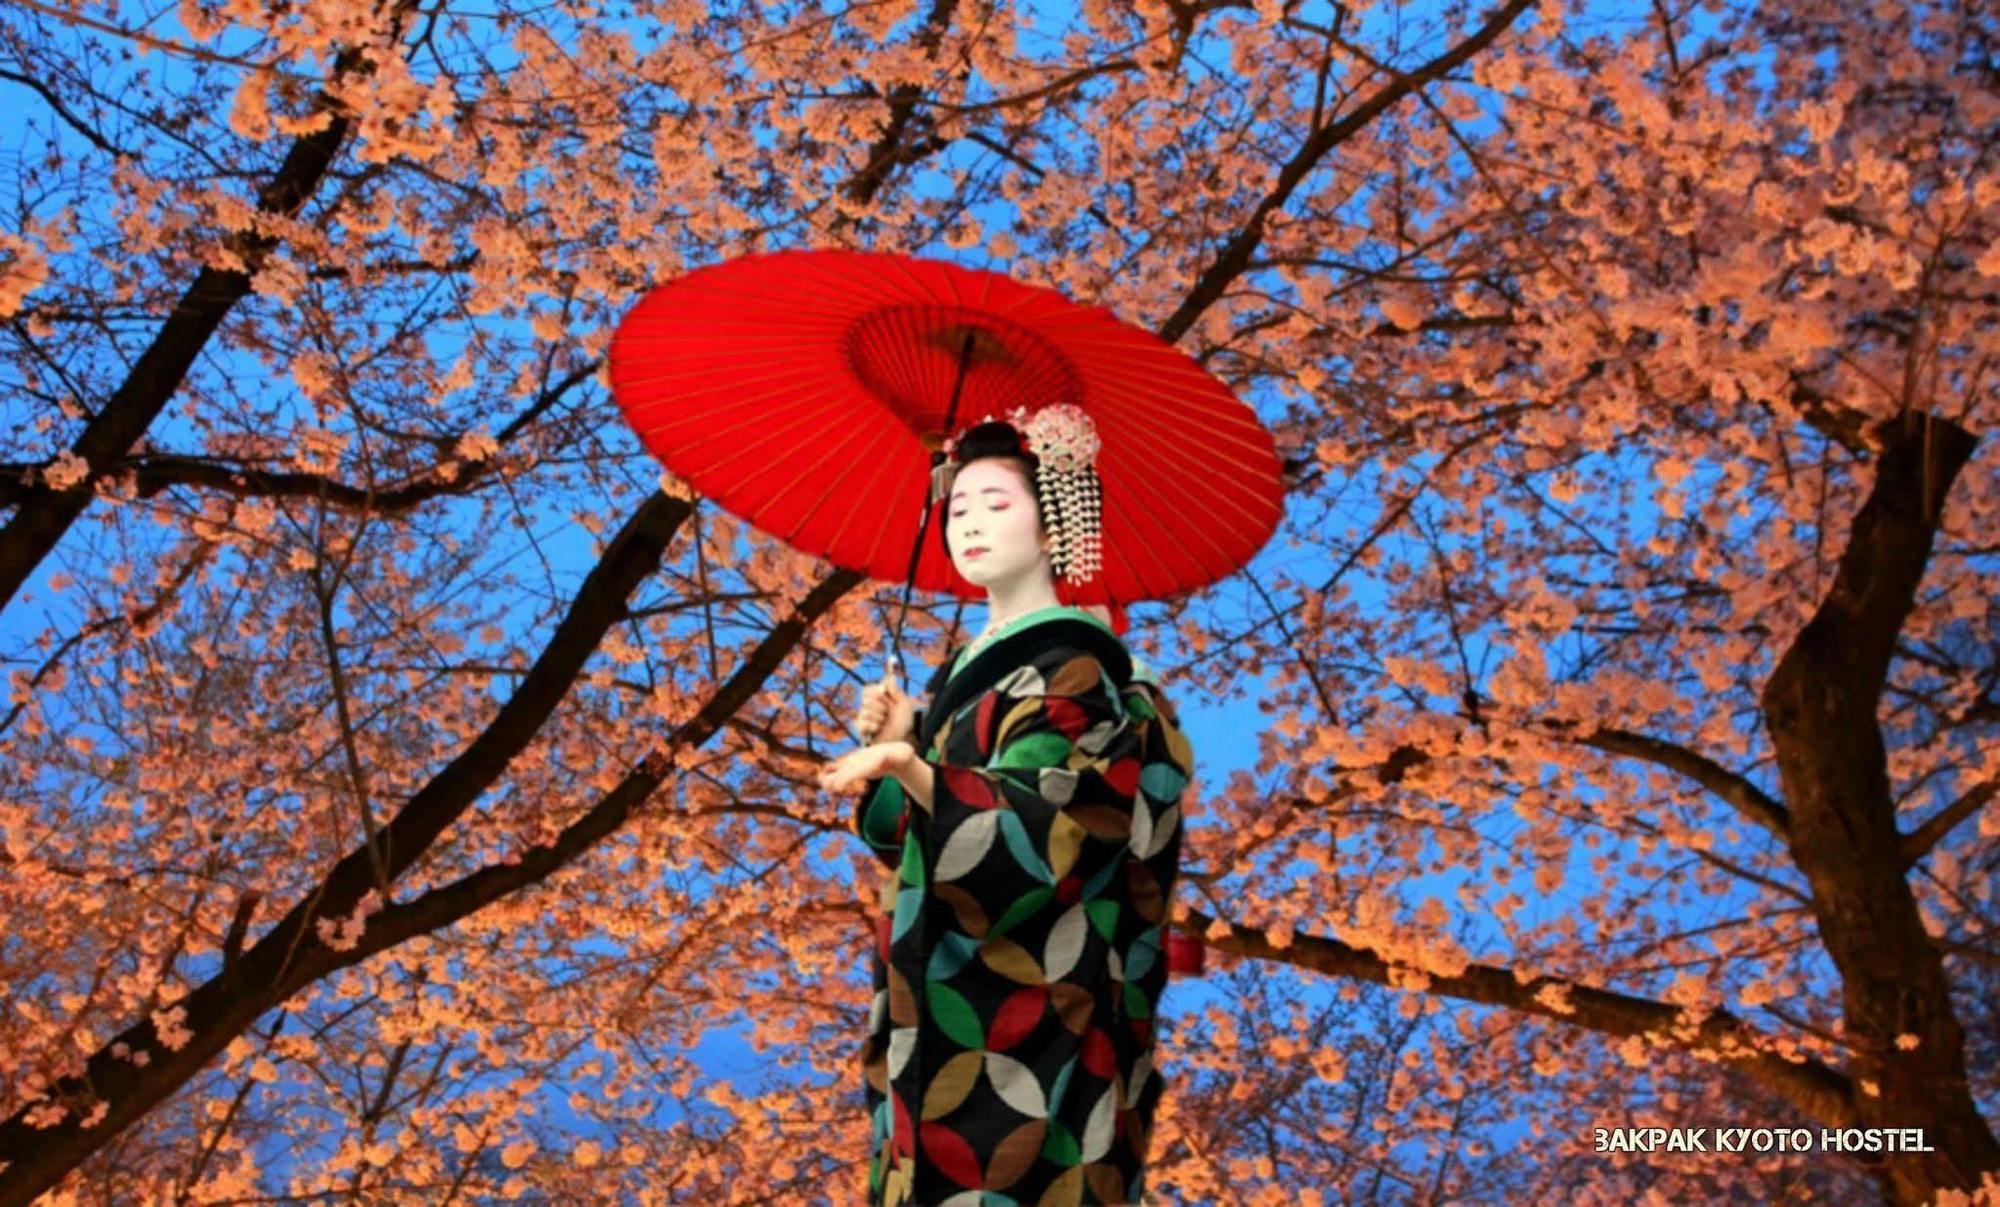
x,y
810,392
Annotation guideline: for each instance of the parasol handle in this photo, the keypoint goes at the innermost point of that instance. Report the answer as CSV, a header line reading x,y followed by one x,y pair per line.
x,y
924,523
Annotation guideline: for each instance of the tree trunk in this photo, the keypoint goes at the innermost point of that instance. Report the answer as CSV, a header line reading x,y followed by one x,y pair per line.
x,y
1821,706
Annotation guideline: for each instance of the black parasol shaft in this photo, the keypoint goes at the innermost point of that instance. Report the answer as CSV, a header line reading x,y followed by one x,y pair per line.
x,y
924,524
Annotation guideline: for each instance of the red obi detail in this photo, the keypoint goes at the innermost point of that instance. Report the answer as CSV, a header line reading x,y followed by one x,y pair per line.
x,y
951,1154
1017,1017
1067,716
982,723
969,787
1123,776
906,1136
1097,1054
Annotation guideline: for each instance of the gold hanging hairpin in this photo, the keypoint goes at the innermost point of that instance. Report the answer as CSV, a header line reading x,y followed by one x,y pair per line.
x,y
1065,442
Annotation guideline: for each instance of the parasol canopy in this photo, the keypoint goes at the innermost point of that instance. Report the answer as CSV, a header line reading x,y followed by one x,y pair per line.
x,y
810,393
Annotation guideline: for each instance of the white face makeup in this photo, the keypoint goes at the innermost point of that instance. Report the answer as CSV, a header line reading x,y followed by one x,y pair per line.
x,y
991,509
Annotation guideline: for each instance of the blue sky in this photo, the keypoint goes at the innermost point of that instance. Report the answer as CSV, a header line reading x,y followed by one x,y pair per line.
x,y
1225,733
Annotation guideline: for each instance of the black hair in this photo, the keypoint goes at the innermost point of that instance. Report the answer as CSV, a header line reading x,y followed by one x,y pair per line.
x,y
1001,440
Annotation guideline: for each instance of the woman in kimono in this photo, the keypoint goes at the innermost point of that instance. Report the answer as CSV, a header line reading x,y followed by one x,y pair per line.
x,y
1030,853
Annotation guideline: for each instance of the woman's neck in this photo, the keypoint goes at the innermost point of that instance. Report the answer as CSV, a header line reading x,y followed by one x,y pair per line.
x,y
1006,601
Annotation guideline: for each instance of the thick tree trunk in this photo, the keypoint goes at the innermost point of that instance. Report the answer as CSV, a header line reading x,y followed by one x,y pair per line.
x,y
1821,706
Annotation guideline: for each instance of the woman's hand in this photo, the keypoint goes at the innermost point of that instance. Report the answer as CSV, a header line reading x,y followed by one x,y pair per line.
x,y
887,715
868,763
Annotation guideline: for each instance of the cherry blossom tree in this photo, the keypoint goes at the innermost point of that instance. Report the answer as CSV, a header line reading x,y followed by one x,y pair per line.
x,y
403,776
1670,412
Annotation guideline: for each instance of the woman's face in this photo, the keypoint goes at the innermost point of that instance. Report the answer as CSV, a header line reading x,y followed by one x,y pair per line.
x,y
992,524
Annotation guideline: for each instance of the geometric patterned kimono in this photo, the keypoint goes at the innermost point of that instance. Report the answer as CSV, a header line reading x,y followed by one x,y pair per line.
x,y
1019,954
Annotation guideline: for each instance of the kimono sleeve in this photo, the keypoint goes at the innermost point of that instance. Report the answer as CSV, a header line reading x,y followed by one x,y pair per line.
x,y
1052,805
879,818
882,813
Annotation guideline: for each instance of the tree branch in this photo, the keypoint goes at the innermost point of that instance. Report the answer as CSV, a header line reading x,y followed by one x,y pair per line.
x,y
1919,842
1236,255
447,903
1750,800
888,152
1815,1089
157,472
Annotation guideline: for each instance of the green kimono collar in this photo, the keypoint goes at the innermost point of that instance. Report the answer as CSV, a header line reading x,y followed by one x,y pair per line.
x,y
1021,623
